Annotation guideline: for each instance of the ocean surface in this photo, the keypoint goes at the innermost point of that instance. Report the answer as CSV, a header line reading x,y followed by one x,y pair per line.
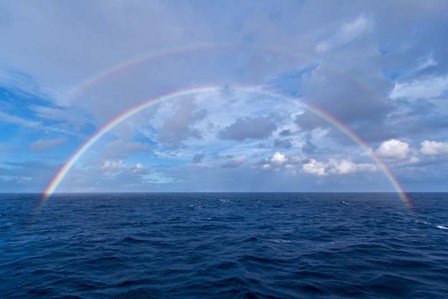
x,y
224,245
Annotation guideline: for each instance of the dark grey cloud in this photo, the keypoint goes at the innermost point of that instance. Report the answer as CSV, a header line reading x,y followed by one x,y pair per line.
x,y
282,143
285,133
309,121
249,128
179,127
309,147
197,158
346,98
233,162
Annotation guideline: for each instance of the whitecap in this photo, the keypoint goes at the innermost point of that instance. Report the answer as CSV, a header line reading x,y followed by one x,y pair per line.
x,y
280,241
423,222
441,227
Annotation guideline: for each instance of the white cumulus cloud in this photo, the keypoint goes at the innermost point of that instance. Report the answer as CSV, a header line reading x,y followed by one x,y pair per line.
x,y
278,158
433,148
277,161
113,165
393,149
315,168
346,166
336,166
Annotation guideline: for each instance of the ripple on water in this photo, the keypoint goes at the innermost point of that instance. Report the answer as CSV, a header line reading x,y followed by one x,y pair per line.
x,y
224,246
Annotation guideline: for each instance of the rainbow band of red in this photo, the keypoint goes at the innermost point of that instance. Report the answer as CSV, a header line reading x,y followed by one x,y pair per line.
x,y
63,171
117,69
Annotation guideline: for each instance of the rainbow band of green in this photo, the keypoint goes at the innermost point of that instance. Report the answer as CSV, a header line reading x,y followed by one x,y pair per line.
x,y
97,78
94,80
211,89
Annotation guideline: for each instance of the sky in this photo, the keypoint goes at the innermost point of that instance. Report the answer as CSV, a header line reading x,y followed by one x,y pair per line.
x,y
237,95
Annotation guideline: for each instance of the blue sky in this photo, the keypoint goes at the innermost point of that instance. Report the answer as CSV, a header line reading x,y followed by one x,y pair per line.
x,y
380,68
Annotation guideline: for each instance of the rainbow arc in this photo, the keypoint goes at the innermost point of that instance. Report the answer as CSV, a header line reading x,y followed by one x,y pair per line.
x,y
256,90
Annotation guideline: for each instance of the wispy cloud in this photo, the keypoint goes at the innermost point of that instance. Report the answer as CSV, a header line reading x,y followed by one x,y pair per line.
x,y
31,124
121,149
16,120
347,32
46,144
425,88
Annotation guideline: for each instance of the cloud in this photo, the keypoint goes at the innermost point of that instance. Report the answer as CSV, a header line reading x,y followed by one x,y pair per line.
x,y
233,162
309,121
113,165
426,62
315,168
285,133
423,88
276,161
345,166
118,167
282,143
16,179
120,148
397,62
46,144
179,127
197,158
346,33
26,176
336,167
291,168
309,146
393,149
69,118
23,84
248,128
278,158
138,168
31,124
12,119
433,148
353,101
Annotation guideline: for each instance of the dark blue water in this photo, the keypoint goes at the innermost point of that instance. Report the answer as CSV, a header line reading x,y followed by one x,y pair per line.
x,y
224,246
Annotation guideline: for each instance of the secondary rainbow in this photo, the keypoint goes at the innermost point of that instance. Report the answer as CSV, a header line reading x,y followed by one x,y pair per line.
x,y
122,67
53,185
117,69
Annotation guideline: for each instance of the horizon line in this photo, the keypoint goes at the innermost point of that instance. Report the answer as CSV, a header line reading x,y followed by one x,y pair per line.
x,y
159,192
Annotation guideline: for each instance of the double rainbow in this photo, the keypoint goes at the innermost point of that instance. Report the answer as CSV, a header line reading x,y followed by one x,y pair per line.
x,y
257,90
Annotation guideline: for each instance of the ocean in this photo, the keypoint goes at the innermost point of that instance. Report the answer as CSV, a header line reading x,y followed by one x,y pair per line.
x,y
224,245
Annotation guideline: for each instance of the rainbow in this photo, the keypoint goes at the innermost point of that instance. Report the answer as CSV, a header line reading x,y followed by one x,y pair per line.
x,y
117,69
95,79
64,170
